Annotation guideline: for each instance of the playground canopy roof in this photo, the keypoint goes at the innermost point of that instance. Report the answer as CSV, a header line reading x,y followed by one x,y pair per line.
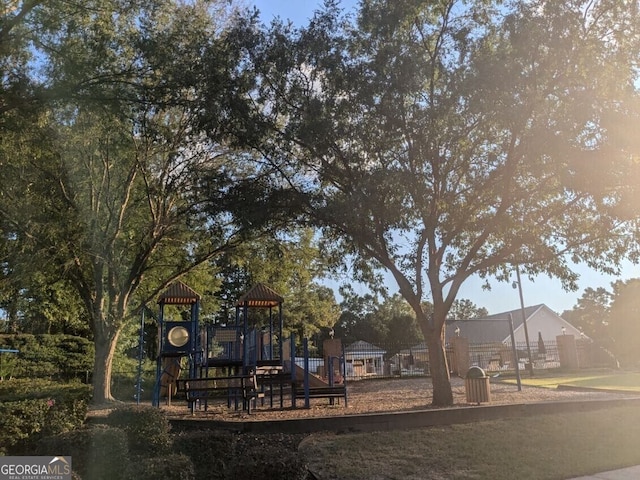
x,y
260,296
178,294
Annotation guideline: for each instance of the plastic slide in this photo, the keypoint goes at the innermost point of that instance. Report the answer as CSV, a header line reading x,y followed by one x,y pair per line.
x,y
313,380
170,373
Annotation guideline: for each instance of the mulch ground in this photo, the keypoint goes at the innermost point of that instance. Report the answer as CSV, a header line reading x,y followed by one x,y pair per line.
x,y
377,396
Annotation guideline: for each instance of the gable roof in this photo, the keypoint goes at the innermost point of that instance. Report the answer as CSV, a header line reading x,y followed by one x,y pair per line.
x,y
490,329
260,296
178,294
518,319
362,346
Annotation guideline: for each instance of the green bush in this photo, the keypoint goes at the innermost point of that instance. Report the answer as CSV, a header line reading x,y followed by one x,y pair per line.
x,y
222,455
19,421
30,409
268,461
24,422
210,451
21,388
147,428
8,365
60,356
167,467
64,416
98,452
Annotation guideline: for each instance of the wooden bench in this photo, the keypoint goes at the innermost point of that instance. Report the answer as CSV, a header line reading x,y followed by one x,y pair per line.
x,y
206,387
331,392
273,380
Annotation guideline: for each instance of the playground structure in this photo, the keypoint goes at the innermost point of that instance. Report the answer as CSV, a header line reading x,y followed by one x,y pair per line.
x,y
248,360
307,386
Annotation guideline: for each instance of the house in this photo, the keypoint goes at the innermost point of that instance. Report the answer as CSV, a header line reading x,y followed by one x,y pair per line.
x,y
363,359
542,322
489,338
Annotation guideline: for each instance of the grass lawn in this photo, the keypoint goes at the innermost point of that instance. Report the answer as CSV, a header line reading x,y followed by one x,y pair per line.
x,y
628,381
555,447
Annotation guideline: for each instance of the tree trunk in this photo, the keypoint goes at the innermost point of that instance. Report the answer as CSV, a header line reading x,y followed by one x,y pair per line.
x,y
442,394
105,347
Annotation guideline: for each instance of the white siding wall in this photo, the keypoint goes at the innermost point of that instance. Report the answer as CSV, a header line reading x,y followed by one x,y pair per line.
x,y
547,322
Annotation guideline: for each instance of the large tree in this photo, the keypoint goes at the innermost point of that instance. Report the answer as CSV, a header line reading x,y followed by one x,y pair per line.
x,y
103,194
624,322
289,262
390,324
446,139
465,309
611,318
591,314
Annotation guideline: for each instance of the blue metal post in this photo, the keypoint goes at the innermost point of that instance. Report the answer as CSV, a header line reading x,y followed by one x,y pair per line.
x,y
195,342
293,366
140,355
305,344
280,334
344,376
157,387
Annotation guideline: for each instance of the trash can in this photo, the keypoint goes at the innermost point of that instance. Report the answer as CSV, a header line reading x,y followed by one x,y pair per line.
x,y
476,384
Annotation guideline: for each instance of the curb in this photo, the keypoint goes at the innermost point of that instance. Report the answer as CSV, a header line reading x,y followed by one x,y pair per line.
x,y
573,388
403,420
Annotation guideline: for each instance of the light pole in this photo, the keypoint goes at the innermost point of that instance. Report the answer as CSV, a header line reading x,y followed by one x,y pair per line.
x,y
524,322
515,352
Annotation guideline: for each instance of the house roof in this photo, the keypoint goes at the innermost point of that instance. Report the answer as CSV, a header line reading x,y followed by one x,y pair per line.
x,y
418,348
260,296
490,329
362,346
178,294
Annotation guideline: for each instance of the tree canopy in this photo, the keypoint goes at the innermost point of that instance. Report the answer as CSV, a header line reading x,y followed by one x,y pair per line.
x,y
290,263
102,192
591,313
610,318
390,324
445,139
110,191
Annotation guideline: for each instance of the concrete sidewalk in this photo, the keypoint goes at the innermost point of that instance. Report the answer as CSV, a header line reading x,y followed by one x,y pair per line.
x,y
630,473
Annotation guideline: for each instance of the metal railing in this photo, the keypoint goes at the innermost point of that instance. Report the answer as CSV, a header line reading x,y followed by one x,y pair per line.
x,y
364,361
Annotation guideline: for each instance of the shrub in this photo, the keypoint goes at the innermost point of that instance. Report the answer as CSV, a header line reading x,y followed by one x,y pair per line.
x,y
76,356
210,451
147,428
8,364
19,421
60,356
98,452
168,467
55,409
21,388
268,461
64,415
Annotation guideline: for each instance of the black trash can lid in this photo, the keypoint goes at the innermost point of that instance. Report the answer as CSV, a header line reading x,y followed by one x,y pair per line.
x,y
475,372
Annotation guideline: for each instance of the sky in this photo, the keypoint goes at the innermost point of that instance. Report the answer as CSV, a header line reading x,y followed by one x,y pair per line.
x,y
298,11
502,297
